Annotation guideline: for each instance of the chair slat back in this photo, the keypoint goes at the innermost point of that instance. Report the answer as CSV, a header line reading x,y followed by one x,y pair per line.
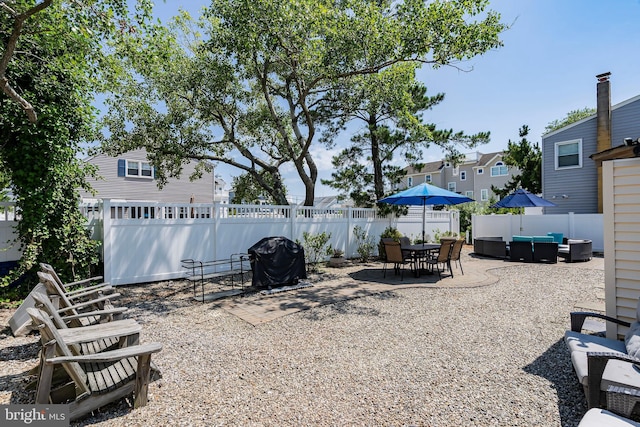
x,y
49,332
47,268
53,288
393,251
445,250
456,249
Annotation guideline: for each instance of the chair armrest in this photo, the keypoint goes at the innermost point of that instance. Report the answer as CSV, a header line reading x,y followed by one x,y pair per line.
x,y
115,329
89,291
578,318
622,400
83,281
88,303
115,310
110,356
596,363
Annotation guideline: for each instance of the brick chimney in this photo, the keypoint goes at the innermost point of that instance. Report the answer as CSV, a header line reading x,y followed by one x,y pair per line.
x,y
603,124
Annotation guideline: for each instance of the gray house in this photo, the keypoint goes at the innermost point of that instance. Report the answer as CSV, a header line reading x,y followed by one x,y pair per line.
x,y
131,177
570,178
473,177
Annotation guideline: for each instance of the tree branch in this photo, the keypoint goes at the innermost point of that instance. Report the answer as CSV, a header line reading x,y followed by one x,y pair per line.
x,y
10,47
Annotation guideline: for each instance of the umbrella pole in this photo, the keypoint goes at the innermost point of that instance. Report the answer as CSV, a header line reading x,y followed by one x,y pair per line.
x,y
424,207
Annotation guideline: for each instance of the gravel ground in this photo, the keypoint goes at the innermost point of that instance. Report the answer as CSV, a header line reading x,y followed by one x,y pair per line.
x,y
485,356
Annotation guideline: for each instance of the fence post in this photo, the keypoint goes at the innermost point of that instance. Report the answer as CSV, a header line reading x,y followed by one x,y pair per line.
x,y
215,218
572,225
105,216
292,221
348,251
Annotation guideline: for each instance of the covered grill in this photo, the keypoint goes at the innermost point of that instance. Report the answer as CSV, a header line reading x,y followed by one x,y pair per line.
x,y
276,261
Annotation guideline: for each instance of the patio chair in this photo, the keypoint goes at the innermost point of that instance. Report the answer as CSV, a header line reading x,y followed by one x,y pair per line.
x,y
545,252
67,307
456,251
81,288
521,251
621,404
443,257
396,256
96,379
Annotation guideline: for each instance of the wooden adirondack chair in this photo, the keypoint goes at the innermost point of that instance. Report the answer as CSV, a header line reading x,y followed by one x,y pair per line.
x,y
73,309
79,287
96,379
81,290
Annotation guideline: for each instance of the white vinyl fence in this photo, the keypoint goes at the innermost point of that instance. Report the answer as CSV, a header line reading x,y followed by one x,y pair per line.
x,y
577,226
145,241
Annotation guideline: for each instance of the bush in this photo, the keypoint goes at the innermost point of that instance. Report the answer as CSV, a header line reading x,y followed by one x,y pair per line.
x,y
365,243
315,247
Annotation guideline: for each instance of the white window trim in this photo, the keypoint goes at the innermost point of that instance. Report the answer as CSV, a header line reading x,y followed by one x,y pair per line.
x,y
500,165
455,170
139,175
428,178
463,175
480,171
555,154
451,186
410,181
484,194
469,194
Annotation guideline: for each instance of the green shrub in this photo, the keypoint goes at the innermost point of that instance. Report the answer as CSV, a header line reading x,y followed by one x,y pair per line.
x,y
365,243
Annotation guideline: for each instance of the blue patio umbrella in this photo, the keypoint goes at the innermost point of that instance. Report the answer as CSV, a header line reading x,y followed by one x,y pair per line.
x,y
425,194
522,198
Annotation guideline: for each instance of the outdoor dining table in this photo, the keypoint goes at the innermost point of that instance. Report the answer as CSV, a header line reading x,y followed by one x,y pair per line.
x,y
420,251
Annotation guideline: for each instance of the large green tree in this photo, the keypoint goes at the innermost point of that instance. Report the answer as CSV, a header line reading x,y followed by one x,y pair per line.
x,y
390,105
254,91
50,69
527,157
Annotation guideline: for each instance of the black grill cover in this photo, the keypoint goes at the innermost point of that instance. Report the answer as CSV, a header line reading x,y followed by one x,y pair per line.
x,y
277,261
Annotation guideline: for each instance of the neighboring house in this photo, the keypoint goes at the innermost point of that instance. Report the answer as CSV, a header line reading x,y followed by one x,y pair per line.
x,y
570,178
473,177
131,177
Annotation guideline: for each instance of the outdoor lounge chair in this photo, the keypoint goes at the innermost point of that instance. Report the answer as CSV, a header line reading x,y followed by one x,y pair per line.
x,y
521,251
80,288
545,252
89,297
396,256
443,257
96,379
67,307
621,404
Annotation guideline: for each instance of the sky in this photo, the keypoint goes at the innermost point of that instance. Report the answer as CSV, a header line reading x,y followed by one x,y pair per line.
x,y
552,52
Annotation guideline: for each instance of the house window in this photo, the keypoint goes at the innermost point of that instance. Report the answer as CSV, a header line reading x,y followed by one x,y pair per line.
x,y
484,194
469,194
451,186
454,171
427,178
463,175
568,154
500,169
480,171
135,169
410,181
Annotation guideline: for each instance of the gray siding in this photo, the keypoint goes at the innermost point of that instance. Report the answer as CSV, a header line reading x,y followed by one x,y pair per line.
x,y
581,184
112,186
